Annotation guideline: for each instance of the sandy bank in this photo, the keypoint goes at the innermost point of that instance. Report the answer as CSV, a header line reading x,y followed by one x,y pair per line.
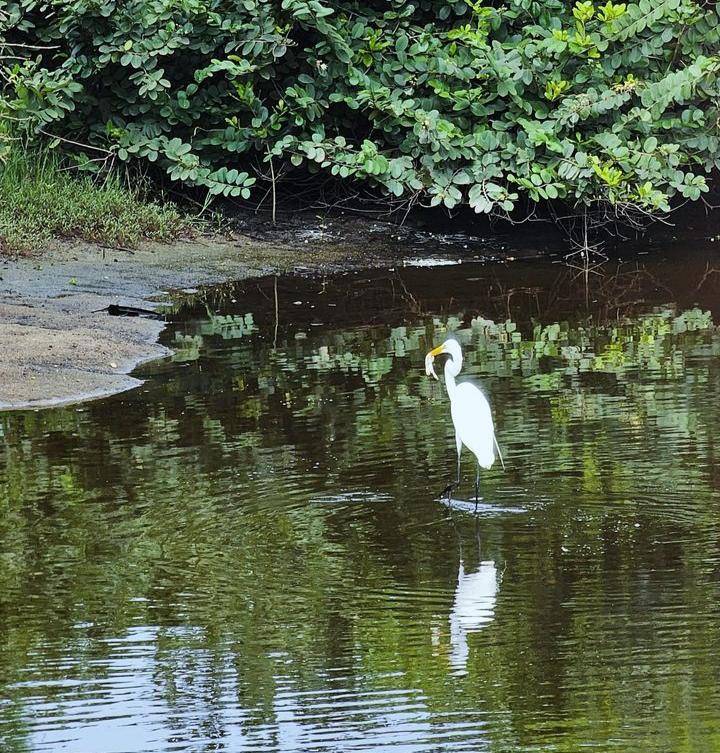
x,y
60,343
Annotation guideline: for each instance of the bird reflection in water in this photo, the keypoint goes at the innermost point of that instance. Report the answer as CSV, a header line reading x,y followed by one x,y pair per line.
x,y
473,608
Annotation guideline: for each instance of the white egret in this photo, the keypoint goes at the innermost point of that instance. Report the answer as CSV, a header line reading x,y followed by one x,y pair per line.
x,y
470,412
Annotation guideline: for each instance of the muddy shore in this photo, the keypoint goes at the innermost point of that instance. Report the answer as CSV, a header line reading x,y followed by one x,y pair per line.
x,y
61,343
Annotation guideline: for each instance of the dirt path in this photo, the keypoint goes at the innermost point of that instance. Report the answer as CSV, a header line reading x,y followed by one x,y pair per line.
x,y
61,344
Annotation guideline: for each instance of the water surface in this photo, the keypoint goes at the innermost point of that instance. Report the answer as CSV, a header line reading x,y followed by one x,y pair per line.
x,y
248,553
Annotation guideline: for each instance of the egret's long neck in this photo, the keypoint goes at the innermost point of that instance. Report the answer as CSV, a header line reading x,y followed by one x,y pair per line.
x,y
450,384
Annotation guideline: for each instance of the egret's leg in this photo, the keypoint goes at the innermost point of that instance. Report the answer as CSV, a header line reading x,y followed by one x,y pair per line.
x,y
477,488
453,485
458,444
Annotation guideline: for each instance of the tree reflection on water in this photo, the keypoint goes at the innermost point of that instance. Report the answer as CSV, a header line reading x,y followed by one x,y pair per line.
x,y
248,553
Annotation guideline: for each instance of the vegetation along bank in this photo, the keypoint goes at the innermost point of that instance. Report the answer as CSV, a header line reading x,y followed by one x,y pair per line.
x,y
607,112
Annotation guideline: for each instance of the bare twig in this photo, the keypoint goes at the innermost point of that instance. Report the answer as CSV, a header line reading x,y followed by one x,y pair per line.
x,y
76,143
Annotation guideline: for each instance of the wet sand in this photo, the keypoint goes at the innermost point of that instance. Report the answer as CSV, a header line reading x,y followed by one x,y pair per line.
x,y
60,343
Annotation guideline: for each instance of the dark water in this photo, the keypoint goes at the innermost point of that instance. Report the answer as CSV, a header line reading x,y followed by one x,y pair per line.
x,y
247,553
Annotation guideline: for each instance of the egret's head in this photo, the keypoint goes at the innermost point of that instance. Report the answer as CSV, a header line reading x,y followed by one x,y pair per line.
x,y
451,348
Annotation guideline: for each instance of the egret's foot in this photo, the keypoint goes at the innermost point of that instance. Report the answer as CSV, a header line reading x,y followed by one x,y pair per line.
x,y
448,490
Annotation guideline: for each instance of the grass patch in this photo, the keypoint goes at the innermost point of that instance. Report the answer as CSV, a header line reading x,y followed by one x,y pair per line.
x,y
39,202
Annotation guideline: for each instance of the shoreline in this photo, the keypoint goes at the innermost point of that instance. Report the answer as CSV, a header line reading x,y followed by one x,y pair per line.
x,y
63,347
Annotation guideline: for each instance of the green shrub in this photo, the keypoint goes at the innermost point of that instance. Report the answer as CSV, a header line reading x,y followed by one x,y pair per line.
x,y
441,103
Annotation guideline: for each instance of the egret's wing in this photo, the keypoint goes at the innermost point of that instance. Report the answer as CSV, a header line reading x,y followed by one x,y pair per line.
x,y
473,422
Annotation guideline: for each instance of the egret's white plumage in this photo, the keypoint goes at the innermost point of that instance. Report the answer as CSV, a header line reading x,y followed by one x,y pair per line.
x,y
473,422
469,408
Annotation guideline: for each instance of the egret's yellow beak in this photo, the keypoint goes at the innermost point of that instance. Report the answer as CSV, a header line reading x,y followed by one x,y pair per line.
x,y
437,351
